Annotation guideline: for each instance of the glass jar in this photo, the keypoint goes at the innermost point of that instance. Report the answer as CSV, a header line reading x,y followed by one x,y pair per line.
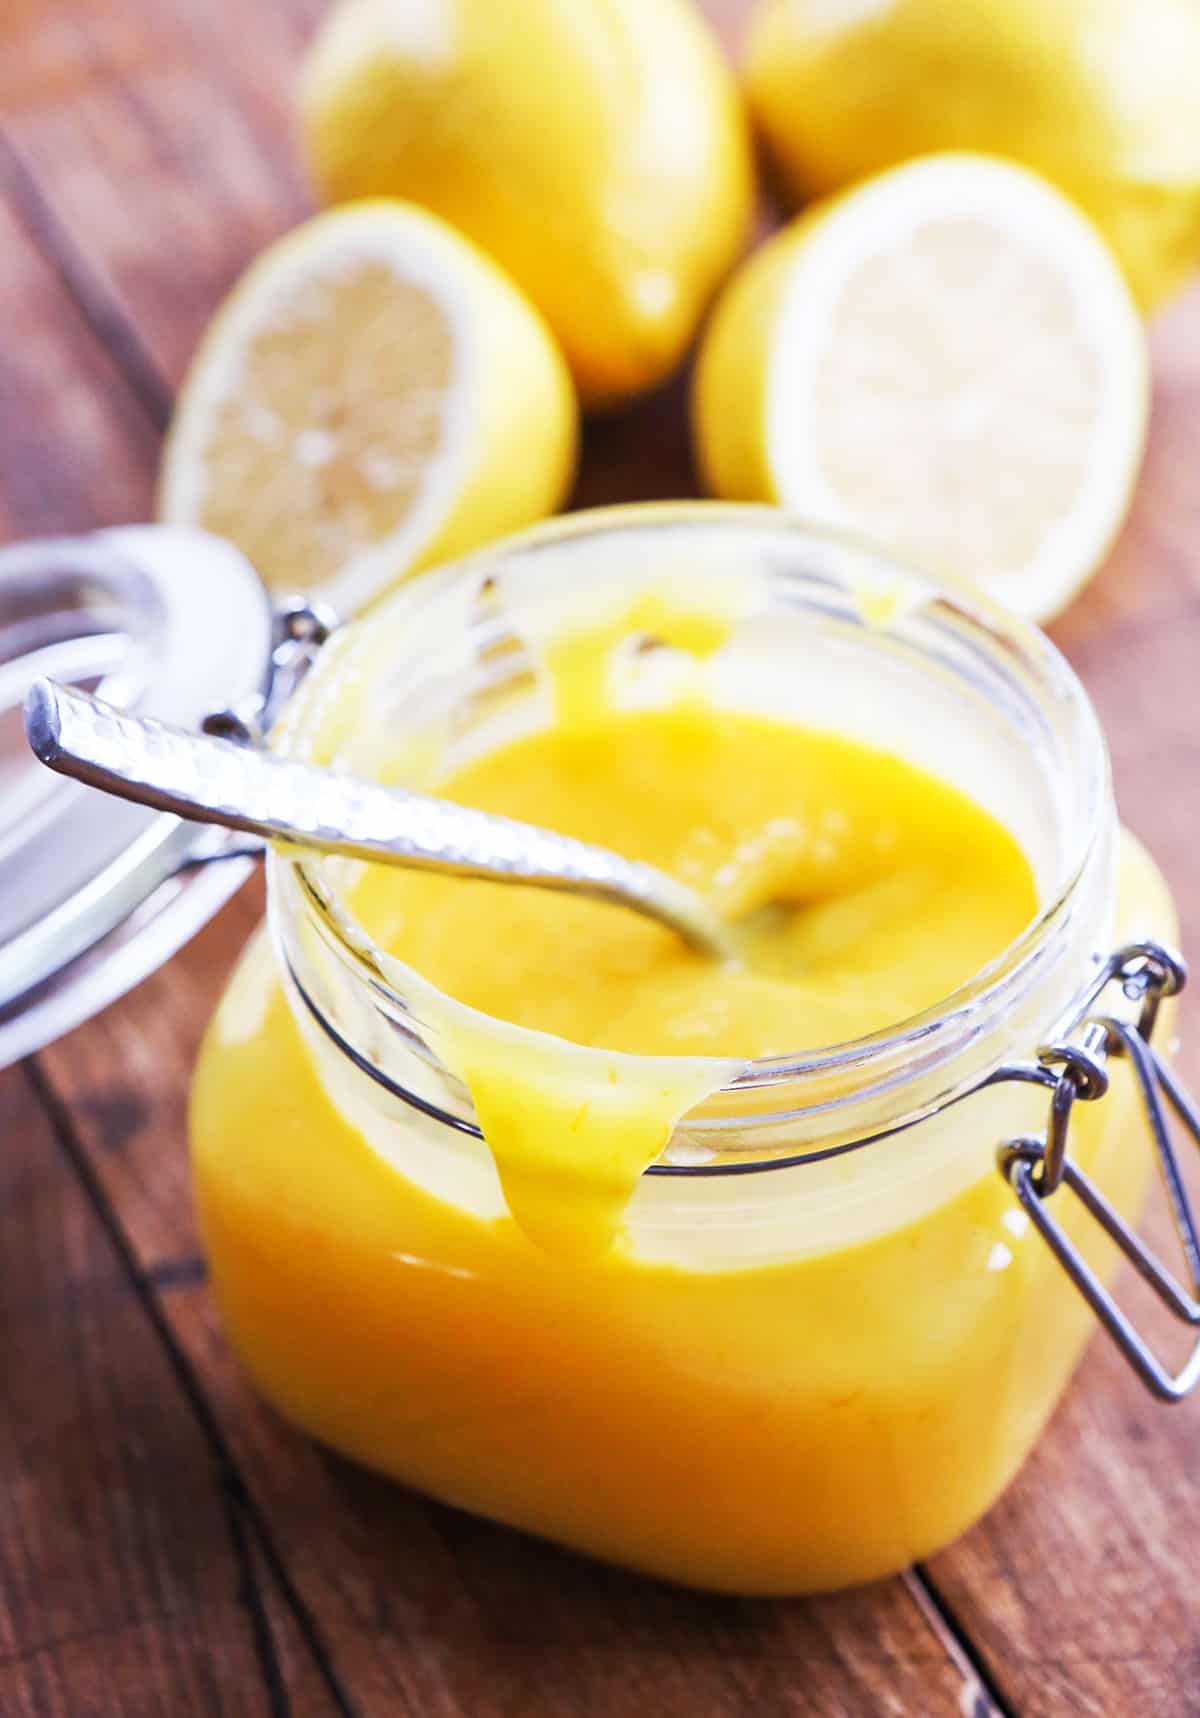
x,y
831,1330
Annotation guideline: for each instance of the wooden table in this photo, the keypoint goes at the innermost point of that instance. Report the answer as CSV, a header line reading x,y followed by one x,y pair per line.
x,y
167,1546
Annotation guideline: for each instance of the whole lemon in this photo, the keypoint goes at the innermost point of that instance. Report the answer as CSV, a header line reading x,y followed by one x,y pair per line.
x,y
1100,96
597,149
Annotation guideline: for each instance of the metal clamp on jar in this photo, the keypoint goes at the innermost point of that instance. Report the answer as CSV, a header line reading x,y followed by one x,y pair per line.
x,y
1075,1071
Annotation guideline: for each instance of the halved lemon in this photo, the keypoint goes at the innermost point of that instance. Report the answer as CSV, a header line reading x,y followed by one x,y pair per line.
x,y
947,360
374,395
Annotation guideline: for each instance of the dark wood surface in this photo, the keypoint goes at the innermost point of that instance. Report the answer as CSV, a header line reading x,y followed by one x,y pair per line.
x,y
167,1546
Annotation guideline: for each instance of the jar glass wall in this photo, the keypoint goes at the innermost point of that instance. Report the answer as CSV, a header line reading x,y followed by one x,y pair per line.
x,y
826,1337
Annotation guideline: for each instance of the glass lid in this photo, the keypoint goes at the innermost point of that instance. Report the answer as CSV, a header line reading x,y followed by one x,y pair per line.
x,y
95,892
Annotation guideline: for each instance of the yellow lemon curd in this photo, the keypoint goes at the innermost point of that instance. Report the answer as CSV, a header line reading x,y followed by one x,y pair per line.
x,y
817,1408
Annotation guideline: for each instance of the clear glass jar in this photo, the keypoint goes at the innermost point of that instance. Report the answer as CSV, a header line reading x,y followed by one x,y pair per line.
x,y
830,1333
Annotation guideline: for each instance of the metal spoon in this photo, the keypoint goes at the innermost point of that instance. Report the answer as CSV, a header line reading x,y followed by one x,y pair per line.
x,y
209,780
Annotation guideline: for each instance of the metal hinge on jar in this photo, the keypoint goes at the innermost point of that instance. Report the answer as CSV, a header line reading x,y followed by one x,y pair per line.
x,y
1037,1168
173,624
299,629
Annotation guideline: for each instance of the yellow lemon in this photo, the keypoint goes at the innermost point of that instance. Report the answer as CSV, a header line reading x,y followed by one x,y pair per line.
x,y
373,396
598,149
1100,96
945,359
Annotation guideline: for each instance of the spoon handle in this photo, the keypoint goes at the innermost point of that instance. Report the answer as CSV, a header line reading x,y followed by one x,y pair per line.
x,y
210,780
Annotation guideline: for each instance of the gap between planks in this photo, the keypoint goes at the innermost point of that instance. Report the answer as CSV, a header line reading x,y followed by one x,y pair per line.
x,y
242,1509
980,1697
103,316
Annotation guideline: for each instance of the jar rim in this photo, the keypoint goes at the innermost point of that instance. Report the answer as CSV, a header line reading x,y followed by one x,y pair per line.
x,y
987,992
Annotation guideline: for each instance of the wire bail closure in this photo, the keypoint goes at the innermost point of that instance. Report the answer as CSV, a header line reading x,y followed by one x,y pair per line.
x,y
300,628
1075,1071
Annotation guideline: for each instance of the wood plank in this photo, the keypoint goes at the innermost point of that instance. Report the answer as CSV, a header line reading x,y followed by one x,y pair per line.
x,y
126,1077
81,1635
1134,636
192,104
75,447
1081,1586
121,1591
160,138
76,450
305,1686
424,1610
152,268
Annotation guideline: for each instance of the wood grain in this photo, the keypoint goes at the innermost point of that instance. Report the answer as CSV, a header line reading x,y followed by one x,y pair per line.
x,y
122,1587
1080,1589
145,154
160,158
75,447
1134,636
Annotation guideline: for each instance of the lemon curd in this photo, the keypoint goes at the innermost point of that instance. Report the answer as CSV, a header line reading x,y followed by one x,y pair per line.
x,y
795,1378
